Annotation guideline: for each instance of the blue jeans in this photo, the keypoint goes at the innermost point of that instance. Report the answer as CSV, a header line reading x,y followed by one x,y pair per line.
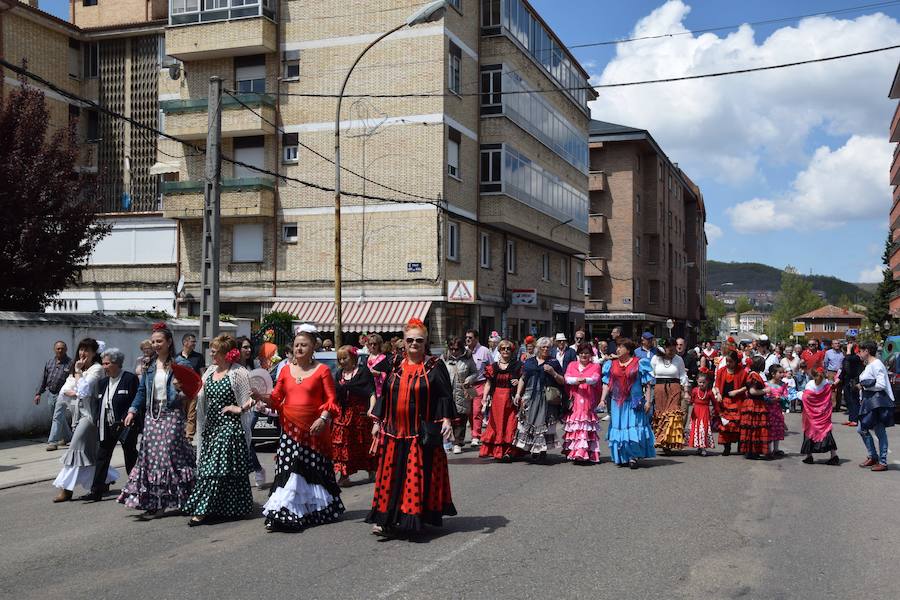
x,y
60,431
881,434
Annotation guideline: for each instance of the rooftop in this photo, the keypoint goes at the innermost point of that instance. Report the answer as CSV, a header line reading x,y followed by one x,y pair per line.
x,y
605,128
830,311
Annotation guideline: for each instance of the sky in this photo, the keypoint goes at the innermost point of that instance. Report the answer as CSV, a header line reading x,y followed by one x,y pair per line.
x,y
793,163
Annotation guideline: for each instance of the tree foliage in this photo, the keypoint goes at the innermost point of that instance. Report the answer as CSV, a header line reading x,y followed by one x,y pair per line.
x,y
742,304
49,226
878,309
794,298
715,312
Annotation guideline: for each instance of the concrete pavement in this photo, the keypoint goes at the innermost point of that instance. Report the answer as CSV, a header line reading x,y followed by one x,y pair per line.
x,y
686,527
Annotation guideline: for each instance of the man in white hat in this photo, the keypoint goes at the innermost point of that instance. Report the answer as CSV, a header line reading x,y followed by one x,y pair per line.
x,y
564,354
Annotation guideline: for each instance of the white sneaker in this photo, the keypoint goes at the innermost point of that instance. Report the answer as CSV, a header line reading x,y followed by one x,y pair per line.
x,y
260,477
605,418
475,442
457,449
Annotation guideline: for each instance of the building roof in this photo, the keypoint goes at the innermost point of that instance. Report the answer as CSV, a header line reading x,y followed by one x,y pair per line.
x,y
830,311
605,128
895,87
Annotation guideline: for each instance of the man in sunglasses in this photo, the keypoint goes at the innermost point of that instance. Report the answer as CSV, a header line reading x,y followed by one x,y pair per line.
x,y
482,358
813,356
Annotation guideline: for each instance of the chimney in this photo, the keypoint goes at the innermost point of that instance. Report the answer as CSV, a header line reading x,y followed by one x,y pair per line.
x,y
31,3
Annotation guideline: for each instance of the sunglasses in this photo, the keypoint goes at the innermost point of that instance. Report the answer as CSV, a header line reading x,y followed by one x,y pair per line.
x,y
417,340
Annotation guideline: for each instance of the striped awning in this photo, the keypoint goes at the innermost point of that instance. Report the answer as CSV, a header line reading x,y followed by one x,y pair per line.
x,y
377,316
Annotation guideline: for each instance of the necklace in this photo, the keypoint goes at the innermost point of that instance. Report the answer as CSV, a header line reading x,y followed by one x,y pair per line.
x,y
299,378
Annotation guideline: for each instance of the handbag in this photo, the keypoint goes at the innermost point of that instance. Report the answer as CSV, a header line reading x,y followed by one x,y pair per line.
x,y
552,395
430,435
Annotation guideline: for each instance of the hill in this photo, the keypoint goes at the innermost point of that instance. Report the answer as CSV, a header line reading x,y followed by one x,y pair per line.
x,y
756,276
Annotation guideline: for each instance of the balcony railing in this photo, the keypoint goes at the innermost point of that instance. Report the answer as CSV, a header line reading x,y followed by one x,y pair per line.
x,y
189,12
201,104
228,185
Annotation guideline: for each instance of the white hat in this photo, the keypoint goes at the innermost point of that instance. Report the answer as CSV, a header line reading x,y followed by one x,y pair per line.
x,y
560,337
308,328
764,338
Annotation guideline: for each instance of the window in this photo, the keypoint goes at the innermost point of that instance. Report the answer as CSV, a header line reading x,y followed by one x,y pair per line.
x,y
491,169
491,90
454,138
563,272
637,203
452,241
89,3
484,253
74,59
830,327
250,74
289,233
637,288
184,6
490,13
587,287
292,64
637,246
93,127
74,113
251,151
807,326
454,68
579,277
545,266
290,142
457,4
247,243
510,256
91,61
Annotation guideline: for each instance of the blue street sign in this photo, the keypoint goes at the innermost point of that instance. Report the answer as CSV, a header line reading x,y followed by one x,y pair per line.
x,y
414,267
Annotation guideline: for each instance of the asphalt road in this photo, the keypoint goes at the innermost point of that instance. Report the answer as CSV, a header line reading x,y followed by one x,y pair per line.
x,y
685,527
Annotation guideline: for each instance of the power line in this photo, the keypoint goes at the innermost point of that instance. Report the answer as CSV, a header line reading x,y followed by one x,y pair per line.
x,y
322,156
34,77
726,27
610,85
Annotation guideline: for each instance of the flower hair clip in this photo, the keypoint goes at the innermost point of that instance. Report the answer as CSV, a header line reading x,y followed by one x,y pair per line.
x,y
159,326
233,355
414,322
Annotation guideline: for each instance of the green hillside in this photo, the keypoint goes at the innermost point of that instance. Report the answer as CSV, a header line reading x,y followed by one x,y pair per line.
x,y
756,276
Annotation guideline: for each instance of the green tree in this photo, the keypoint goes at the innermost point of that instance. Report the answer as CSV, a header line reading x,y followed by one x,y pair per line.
x,y
878,309
50,226
793,299
715,311
742,304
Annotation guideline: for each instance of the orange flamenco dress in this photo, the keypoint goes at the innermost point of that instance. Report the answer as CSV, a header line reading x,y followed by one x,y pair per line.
x,y
730,408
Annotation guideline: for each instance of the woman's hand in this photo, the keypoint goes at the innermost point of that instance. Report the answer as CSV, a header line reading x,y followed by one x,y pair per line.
x,y
513,383
79,365
732,393
129,419
247,405
516,400
231,410
70,393
446,429
549,369
602,405
317,427
647,406
376,428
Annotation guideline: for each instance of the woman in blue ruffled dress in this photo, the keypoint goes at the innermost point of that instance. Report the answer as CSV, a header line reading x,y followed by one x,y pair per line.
x,y
626,380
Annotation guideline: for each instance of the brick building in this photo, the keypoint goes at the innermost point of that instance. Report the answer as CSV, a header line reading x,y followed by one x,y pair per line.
x,y
647,259
895,182
830,322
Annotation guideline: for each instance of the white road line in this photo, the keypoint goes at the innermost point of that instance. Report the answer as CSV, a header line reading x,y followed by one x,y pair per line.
x,y
432,566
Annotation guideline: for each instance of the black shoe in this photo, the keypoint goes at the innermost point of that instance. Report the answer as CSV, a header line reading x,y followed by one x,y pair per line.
x,y
778,453
92,497
808,460
834,461
198,520
727,450
633,464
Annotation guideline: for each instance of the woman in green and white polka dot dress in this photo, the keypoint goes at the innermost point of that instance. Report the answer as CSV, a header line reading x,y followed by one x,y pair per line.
x,y
223,486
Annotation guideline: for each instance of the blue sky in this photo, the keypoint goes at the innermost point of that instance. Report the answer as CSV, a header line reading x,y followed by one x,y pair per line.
x,y
793,163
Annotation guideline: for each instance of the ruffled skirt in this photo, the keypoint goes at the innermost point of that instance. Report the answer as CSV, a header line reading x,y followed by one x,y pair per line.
x,y
629,435
776,422
754,427
222,488
412,487
827,444
500,429
668,420
163,476
731,411
71,477
701,435
351,438
304,492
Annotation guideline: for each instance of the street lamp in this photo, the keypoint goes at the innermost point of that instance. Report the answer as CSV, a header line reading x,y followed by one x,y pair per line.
x,y
427,14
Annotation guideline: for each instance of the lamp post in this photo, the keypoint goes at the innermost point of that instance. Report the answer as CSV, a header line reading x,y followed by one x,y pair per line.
x,y
427,14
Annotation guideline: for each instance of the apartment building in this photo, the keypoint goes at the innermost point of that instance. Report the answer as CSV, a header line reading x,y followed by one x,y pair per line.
x,y
647,258
894,260
470,205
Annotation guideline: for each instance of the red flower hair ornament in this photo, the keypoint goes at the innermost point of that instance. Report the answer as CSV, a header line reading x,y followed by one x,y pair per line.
x,y
233,355
159,326
414,322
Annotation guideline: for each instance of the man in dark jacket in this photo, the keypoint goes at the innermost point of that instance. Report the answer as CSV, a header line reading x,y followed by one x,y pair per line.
x,y
851,369
115,393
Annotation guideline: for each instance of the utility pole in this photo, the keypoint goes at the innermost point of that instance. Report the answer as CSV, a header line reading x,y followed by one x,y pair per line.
x,y
209,294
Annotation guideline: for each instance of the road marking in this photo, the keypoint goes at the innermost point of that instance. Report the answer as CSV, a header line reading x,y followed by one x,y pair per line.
x,y
432,566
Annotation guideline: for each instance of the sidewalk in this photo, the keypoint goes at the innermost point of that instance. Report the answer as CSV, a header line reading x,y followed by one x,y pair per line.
x,y
23,462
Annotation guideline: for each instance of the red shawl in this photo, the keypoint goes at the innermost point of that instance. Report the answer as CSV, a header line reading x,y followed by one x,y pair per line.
x,y
816,411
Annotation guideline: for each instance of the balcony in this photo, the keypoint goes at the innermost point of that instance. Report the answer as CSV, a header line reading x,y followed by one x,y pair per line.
x,y
597,181
188,119
232,28
595,304
595,266
245,197
597,223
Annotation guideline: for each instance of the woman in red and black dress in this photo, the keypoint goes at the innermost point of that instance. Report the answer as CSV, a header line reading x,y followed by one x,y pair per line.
x,y
351,430
730,391
412,486
754,440
502,413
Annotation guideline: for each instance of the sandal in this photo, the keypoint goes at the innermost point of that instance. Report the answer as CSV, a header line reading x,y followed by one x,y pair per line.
x,y
197,520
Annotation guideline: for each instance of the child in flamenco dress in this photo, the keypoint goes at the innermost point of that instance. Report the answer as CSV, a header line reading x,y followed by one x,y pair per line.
x,y
776,390
703,411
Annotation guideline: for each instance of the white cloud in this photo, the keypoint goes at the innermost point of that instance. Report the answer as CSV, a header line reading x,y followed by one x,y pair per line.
x,y
728,127
713,232
873,275
836,187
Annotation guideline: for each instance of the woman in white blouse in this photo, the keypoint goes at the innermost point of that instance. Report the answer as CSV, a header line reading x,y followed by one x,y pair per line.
x,y
790,361
79,461
671,389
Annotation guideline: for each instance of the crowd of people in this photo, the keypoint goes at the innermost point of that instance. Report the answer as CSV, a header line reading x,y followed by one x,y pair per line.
x,y
396,411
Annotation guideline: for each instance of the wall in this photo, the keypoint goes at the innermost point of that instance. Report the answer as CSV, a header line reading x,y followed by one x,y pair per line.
x,y
28,340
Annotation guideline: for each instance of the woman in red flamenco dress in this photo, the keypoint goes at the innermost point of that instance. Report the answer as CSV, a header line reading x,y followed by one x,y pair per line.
x,y
501,412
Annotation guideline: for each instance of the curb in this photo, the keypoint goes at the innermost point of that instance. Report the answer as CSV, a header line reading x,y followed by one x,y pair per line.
x,y
15,484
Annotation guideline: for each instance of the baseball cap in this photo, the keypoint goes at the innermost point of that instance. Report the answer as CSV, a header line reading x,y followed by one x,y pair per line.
x,y
647,335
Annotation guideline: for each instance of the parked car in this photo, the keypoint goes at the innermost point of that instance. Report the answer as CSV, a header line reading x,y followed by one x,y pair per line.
x,y
268,429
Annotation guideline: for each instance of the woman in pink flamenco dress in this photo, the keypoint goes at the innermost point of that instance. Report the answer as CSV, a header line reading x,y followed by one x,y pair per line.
x,y
582,440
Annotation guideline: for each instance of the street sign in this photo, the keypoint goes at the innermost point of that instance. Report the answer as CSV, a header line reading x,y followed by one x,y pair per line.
x,y
414,267
626,300
853,332
524,297
799,328
461,290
